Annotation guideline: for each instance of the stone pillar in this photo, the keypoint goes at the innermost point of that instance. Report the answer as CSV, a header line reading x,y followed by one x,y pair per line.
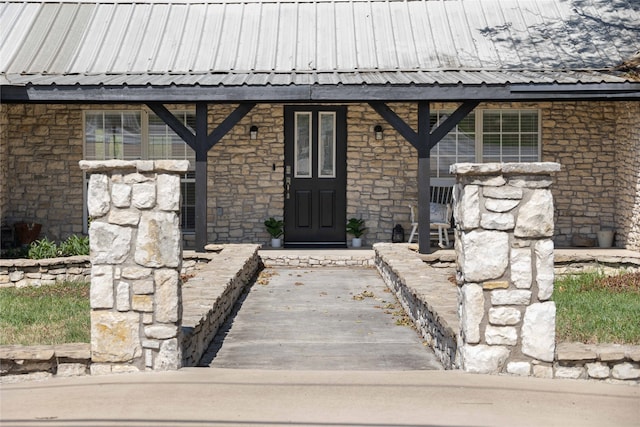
x,y
136,257
504,227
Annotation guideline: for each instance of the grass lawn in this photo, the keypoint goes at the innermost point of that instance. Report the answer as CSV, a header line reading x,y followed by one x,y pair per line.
x,y
51,314
596,309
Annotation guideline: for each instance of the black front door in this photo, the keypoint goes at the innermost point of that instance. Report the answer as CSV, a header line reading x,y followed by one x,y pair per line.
x,y
315,176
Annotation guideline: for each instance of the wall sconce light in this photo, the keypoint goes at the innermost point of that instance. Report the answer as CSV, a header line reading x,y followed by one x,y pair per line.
x,y
377,130
253,132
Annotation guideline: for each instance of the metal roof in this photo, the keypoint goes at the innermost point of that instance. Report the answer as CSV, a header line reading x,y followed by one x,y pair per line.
x,y
252,43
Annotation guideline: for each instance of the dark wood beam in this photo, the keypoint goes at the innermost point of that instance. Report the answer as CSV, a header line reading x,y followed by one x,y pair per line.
x,y
228,124
174,123
201,136
452,121
423,141
201,142
424,178
396,122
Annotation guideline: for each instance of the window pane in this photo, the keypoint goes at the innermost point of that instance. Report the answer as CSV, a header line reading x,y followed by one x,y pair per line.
x,y
491,121
164,143
303,145
188,207
457,146
510,146
510,136
529,145
529,121
327,146
113,135
94,136
510,122
491,148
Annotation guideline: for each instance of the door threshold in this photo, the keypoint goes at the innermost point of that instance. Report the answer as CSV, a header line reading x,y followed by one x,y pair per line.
x,y
315,245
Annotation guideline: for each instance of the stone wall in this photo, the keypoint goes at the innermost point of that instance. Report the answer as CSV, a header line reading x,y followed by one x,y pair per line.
x,y
136,258
595,141
43,144
4,159
426,295
246,176
19,273
581,136
627,216
43,361
507,317
209,293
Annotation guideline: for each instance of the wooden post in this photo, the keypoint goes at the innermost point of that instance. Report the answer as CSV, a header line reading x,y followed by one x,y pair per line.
x,y
201,150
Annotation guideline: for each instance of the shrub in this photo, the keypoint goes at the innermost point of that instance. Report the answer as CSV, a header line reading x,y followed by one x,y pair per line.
x,y
74,245
43,248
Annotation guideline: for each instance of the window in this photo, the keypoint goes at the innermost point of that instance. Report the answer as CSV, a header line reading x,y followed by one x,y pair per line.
x,y
113,135
487,136
132,135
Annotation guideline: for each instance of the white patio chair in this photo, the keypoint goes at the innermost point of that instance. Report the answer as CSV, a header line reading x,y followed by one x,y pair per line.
x,y
441,212
440,221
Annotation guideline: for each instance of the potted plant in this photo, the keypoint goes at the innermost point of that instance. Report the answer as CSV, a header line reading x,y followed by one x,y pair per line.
x,y
275,228
27,232
356,227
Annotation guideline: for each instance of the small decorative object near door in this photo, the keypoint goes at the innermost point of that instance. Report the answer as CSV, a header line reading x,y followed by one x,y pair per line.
x,y
356,227
398,234
27,232
605,238
275,228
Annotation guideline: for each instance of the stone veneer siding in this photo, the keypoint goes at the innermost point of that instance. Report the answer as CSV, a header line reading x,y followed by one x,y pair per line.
x,y
627,215
597,143
43,144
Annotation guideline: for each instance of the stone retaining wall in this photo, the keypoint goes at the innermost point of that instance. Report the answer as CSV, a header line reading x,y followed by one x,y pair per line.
x,y
426,295
337,258
30,362
211,293
600,362
19,273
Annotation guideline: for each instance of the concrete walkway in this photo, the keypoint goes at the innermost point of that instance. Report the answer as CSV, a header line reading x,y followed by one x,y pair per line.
x,y
320,319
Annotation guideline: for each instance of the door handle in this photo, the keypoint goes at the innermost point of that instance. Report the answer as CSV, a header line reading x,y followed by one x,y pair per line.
x,y
287,186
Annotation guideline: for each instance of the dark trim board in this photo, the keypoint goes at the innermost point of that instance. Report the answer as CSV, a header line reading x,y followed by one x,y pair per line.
x,y
319,93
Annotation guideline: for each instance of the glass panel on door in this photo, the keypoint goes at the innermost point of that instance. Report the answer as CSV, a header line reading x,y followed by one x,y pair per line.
x,y
327,149
302,144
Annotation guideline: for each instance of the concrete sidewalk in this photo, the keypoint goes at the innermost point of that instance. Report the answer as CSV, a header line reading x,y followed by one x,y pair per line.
x,y
223,397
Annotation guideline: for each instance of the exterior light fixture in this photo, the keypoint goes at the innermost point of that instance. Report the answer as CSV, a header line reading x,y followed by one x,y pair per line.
x,y
377,130
253,132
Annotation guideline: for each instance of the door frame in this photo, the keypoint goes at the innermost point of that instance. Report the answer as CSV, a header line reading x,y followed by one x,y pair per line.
x,y
339,234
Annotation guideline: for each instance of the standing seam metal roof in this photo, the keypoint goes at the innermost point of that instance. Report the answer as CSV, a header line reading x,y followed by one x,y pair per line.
x,y
323,42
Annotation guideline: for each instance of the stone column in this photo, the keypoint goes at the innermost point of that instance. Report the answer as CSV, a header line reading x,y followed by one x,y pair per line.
x,y
136,258
504,227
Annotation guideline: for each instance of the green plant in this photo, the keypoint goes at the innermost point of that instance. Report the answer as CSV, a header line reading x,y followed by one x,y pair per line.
x,y
74,245
43,248
356,227
275,227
